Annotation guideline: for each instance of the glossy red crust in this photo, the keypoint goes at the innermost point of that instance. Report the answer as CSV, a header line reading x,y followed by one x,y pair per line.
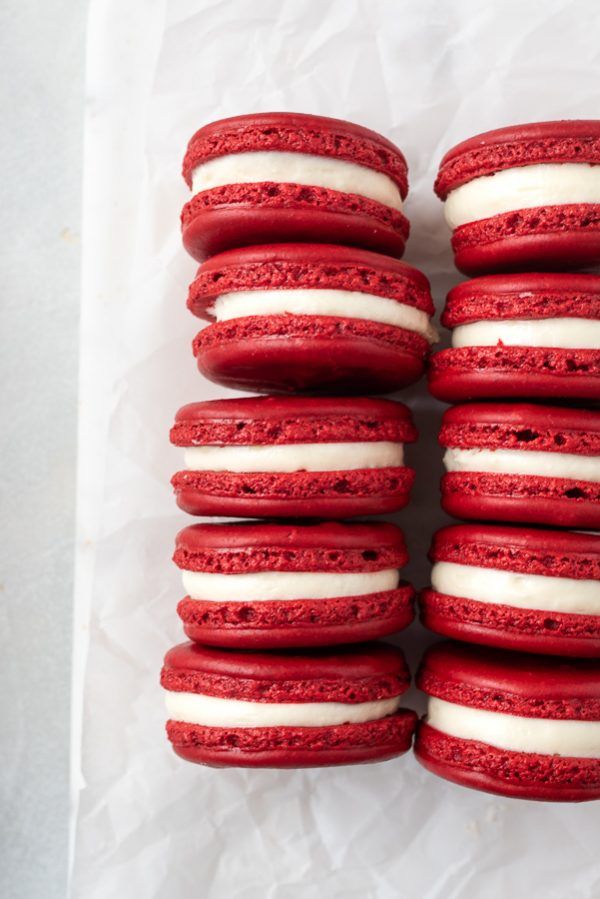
x,y
310,354
518,775
522,426
576,140
304,622
248,547
294,747
314,266
500,372
545,237
363,673
525,550
238,215
523,296
512,683
274,420
300,133
301,494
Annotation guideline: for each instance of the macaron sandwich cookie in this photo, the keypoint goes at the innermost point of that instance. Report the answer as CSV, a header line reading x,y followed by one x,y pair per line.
x,y
526,197
286,709
312,318
516,588
293,457
513,724
269,585
285,177
526,335
522,463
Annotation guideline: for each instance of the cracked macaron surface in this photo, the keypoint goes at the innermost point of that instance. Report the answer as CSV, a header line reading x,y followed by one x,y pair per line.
x,y
285,177
525,197
310,317
288,709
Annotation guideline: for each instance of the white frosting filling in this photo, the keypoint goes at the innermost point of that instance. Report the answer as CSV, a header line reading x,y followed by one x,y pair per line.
x,y
216,711
266,585
524,187
546,736
564,333
339,303
522,591
297,168
532,462
290,457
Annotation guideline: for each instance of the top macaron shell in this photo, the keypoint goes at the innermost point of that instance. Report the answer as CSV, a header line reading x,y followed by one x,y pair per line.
x,y
369,480
276,209
547,234
373,334
516,486
549,350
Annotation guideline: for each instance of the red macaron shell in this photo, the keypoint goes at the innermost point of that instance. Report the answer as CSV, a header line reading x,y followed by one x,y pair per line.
x,y
513,684
360,674
300,133
240,214
250,547
568,140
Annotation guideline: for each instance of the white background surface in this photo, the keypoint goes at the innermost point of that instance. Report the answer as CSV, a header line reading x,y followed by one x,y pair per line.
x,y
425,74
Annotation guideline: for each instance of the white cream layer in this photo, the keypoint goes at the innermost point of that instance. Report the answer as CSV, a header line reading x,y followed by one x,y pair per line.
x,y
216,711
521,591
295,457
338,303
546,736
297,168
528,462
285,585
563,333
524,187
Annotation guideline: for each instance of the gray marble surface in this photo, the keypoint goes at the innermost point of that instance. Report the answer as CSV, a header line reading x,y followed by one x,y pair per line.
x,y
41,86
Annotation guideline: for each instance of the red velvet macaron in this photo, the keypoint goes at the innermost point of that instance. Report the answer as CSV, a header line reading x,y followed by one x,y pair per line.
x,y
524,197
287,709
311,317
522,463
513,724
268,585
285,177
293,457
527,336
516,588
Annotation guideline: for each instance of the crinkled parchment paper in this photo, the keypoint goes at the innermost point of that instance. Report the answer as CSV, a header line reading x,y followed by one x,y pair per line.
x,y
425,73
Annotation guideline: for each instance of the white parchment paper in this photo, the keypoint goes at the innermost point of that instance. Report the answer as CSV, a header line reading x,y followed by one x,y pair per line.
x,y
426,74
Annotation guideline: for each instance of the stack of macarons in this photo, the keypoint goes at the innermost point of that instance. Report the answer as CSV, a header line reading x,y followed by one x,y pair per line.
x,y
297,222
520,579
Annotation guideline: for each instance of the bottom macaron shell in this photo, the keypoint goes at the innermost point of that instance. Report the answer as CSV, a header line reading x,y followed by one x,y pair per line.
x,y
528,630
301,494
472,373
292,623
285,354
294,747
239,215
548,238
519,775
527,499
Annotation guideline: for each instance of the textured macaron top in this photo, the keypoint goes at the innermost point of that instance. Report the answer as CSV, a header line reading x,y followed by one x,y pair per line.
x,y
348,674
523,296
282,420
307,266
537,551
576,140
246,547
512,683
296,133
522,426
